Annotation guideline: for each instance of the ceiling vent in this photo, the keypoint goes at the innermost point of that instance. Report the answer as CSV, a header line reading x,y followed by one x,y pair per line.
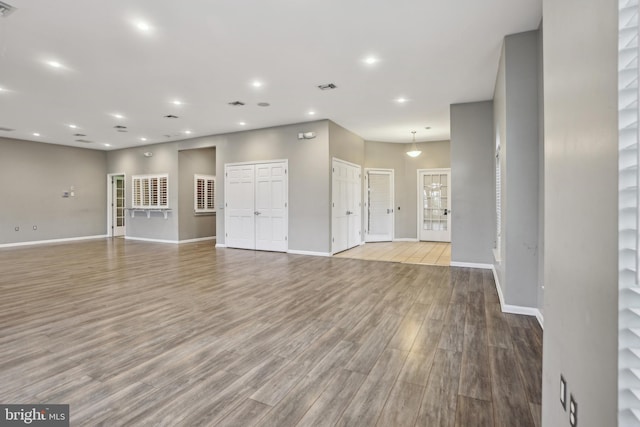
x,y
6,129
86,141
263,104
6,9
120,127
79,134
237,103
328,86
170,116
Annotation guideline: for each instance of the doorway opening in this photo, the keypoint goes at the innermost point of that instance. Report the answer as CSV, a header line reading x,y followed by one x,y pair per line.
x,y
116,201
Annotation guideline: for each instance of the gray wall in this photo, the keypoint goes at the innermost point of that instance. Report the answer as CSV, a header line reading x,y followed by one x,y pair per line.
x,y
581,229
200,161
33,177
309,180
165,159
540,285
517,126
472,183
385,155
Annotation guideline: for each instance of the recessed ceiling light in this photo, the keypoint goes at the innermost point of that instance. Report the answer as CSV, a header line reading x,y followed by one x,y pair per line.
x,y
401,100
143,139
311,113
107,145
370,60
73,126
118,116
242,123
143,26
176,102
54,64
188,132
36,134
256,83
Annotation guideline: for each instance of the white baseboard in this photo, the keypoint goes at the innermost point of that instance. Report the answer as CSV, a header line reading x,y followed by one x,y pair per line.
x,y
310,253
471,265
199,239
540,318
405,239
144,239
512,309
220,245
44,242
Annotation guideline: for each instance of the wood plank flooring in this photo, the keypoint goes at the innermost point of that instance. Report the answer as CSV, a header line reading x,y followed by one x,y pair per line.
x,y
425,253
143,334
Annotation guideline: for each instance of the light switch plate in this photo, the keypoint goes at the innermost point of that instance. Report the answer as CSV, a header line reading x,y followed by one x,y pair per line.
x,y
563,392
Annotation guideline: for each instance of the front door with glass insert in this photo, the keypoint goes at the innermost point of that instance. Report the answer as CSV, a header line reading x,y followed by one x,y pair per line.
x,y
434,198
118,200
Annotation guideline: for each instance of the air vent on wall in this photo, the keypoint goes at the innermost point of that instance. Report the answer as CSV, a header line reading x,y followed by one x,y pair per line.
x,y
6,129
6,9
327,86
236,103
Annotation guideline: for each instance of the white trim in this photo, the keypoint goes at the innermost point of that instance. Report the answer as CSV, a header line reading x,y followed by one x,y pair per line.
x,y
310,253
110,176
144,239
420,209
44,242
257,162
405,239
471,265
346,163
540,318
220,245
199,239
512,309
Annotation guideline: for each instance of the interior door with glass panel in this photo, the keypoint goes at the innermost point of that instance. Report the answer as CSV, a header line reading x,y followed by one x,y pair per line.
x,y
117,203
379,205
434,209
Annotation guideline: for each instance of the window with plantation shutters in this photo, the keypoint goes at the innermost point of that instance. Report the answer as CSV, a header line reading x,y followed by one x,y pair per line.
x,y
628,217
204,193
150,191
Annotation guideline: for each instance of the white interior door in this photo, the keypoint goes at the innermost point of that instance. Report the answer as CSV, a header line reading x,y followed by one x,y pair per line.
x,y
379,205
117,205
434,198
346,205
239,206
271,207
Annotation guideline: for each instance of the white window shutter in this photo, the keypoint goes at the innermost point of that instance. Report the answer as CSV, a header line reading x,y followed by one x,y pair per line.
x,y
204,193
628,217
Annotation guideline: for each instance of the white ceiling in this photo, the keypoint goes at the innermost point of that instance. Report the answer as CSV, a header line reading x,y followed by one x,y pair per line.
x,y
207,53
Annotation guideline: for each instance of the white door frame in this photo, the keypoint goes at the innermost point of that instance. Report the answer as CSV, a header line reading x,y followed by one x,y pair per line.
x,y
110,201
254,163
361,240
419,200
393,203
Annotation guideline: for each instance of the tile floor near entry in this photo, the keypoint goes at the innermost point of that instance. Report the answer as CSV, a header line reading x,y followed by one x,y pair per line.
x,y
146,334
426,253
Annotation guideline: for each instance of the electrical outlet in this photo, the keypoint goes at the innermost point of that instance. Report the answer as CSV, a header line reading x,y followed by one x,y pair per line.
x,y
563,392
573,412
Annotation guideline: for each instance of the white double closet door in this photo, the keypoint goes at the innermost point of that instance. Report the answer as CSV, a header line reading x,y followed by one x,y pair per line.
x,y
346,220
256,207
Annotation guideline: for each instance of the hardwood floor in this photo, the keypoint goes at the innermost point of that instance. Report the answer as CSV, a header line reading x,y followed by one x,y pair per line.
x,y
425,253
143,334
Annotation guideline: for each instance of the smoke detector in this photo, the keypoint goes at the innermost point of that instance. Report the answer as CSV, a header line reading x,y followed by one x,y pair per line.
x,y
6,9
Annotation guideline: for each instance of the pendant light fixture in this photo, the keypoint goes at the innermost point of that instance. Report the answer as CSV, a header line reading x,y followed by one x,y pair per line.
x,y
414,152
